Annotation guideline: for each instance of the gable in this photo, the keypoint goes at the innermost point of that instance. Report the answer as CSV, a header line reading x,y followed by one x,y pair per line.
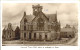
x,y
40,15
32,18
51,17
28,17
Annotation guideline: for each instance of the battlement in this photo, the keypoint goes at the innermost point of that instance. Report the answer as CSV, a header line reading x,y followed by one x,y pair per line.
x,y
37,6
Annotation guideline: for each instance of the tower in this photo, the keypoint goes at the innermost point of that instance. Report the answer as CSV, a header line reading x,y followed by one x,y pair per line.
x,y
9,25
36,9
24,13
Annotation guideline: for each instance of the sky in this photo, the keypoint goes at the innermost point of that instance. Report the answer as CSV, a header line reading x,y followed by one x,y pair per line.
x,y
67,13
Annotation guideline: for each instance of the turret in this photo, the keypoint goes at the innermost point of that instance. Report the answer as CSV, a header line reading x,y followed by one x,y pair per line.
x,y
36,9
56,17
24,13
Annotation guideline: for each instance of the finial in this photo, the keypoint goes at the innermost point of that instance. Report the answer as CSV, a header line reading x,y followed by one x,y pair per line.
x,y
24,13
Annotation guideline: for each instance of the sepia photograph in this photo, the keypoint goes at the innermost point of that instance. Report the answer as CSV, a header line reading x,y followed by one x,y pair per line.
x,y
39,24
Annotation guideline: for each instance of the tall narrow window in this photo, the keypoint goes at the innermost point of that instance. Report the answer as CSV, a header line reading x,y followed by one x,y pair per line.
x,y
46,37
24,35
40,24
34,35
25,20
24,27
29,35
40,37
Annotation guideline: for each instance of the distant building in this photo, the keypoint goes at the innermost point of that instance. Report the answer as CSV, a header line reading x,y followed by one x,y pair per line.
x,y
8,33
39,26
67,32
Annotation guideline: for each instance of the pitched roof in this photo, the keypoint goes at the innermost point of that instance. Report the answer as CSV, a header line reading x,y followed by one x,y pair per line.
x,y
13,28
30,17
51,17
66,30
41,13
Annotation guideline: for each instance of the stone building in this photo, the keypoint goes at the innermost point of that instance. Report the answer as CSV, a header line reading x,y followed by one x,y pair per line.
x,y
68,32
8,33
39,26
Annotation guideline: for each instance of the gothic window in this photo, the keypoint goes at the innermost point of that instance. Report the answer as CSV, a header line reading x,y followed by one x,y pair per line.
x,y
34,35
46,37
40,37
29,35
24,35
24,27
40,24
25,20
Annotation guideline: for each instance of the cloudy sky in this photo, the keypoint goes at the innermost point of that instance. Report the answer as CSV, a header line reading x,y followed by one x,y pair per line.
x,y
13,12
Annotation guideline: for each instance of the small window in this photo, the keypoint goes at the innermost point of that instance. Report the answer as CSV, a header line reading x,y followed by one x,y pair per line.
x,y
25,20
24,35
45,36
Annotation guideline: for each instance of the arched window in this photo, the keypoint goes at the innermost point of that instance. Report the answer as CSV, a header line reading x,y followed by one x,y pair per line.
x,y
40,37
34,35
25,20
29,35
45,37
24,27
40,24
24,35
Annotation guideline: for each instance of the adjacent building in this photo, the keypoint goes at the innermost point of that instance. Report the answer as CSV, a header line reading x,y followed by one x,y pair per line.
x,y
8,33
68,32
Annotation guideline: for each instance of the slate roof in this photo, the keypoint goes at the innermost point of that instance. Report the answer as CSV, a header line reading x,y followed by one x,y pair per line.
x,y
51,17
66,30
6,27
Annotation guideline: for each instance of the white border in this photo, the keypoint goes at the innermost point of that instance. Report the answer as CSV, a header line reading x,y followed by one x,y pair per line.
x,y
60,47
39,1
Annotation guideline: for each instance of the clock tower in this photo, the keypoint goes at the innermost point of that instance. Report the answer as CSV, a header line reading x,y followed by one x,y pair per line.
x,y
37,9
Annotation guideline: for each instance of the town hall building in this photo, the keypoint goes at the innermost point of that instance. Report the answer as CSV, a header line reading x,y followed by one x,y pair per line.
x,y
39,26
